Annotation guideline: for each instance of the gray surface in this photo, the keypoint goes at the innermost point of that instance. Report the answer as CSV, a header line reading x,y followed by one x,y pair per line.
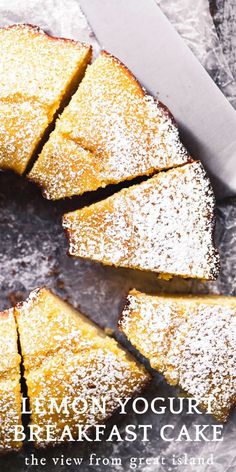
x,y
224,15
33,253
141,36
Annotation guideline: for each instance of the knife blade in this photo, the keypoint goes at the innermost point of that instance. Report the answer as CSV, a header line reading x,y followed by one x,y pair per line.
x,y
140,35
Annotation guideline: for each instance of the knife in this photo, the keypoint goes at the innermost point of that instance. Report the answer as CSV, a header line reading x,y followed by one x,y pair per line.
x,y
140,35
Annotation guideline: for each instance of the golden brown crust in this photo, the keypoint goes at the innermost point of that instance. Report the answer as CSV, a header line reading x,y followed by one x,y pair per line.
x,y
33,87
163,225
10,394
191,340
142,90
110,132
39,30
67,356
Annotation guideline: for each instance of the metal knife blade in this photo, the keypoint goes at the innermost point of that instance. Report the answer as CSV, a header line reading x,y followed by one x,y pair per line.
x,y
139,34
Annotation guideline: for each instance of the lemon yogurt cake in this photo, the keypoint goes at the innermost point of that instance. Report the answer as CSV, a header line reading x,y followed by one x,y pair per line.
x,y
66,356
111,131
38,72
164,224
191,340
10,390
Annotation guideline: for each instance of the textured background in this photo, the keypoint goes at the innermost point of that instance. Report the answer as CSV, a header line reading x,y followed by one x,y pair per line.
x,y
33,246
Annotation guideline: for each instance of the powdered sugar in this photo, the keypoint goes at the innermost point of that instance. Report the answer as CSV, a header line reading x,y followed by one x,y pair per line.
x,y
162,225
111,131
65,357
10,399
36,72
191,340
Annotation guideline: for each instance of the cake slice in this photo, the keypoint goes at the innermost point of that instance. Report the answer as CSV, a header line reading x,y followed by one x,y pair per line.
x,y
191,340
10,391
38,73
66,356
164,225
111,131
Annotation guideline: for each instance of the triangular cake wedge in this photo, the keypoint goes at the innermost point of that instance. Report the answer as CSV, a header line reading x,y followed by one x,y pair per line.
x,y
111,131
164,224
10,390
38,73
191,340
66,356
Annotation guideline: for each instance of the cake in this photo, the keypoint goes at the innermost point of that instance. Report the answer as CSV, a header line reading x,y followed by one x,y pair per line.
x,y
111,131
38,73
10,391
191,340
67,356
164,225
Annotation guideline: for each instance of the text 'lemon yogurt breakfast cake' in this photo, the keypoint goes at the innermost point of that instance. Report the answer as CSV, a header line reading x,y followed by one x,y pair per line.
x,y
67,356
164,224
10,390
37,73
111,131
191,340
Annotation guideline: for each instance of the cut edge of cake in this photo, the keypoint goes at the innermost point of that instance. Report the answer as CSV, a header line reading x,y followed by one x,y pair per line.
x,y
140,313
10,384
72,82
69,225
53,188
66,354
